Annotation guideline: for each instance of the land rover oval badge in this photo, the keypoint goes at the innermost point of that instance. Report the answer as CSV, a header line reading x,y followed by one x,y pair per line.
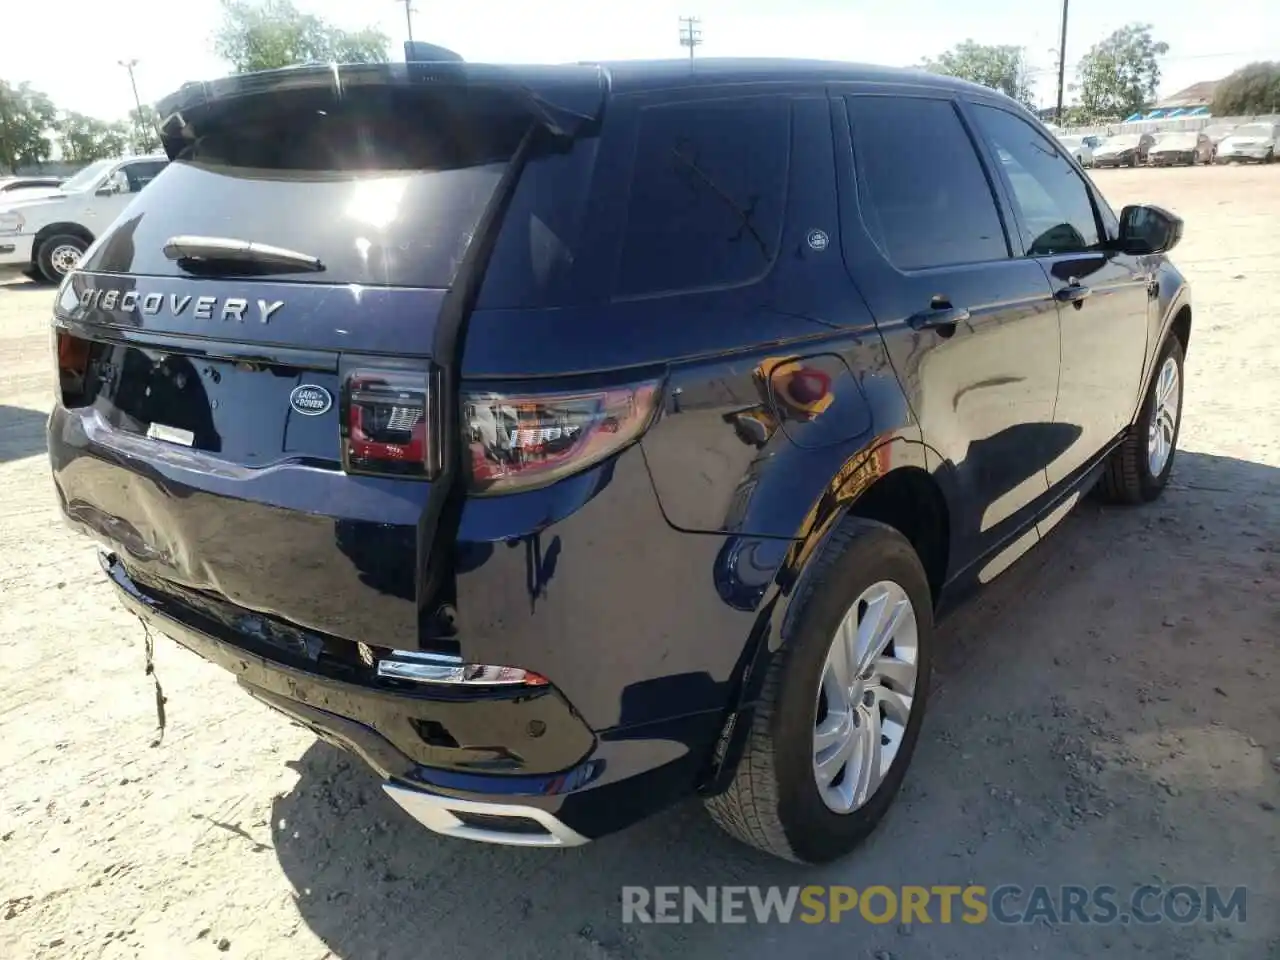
x,y
310,400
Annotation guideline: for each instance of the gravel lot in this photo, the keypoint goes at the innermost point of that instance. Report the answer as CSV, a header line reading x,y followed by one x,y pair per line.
x,y
1107,714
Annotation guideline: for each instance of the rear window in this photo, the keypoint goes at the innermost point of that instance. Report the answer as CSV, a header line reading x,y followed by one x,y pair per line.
x,y
707,196
384,186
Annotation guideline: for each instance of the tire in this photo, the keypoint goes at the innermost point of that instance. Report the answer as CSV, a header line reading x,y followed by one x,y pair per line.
x,y
774,802
1129,477
53,258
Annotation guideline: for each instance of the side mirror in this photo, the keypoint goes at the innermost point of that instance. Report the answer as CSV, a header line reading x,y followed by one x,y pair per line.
x,y
1148,229
106,190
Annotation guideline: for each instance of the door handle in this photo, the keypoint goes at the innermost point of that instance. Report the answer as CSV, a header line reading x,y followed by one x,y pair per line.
x,y
1072,293
941,314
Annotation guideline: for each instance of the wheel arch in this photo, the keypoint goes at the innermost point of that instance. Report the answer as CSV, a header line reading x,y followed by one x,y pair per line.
x,y
61,228
885,483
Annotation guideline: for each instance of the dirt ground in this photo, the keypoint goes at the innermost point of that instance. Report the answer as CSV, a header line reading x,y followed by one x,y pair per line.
x,y
1107,714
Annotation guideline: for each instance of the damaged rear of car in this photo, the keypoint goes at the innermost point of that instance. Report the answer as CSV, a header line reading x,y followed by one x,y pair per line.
x,y
258,408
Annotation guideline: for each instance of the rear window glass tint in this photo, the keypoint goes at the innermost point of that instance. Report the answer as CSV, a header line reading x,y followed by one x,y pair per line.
x,y
385,187
923,194
707,196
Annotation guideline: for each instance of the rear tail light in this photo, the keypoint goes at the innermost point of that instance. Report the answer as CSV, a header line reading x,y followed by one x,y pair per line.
x,y
72,355
387,425
520,442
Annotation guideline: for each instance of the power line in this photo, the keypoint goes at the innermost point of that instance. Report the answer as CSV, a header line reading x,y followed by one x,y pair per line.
x,y
690,34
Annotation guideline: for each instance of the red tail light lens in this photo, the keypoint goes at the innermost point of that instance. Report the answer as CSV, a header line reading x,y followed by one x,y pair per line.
x,y
520,442
73,365
387,422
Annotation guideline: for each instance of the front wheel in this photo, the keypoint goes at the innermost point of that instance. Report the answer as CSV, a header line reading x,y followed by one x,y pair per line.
x,y
841,706
1139,468
58,256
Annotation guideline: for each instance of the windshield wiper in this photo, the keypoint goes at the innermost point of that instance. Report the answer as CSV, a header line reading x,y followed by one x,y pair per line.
x,y
207,252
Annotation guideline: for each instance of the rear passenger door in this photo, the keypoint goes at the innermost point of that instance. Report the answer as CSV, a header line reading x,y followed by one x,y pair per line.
x,y
1102,294
971,329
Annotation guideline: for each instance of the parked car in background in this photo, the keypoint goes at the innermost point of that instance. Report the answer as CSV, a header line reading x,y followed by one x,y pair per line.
x,y
1217,132
44,232
1250,143
1180,147
9,184
1080,148
568,441
1125,150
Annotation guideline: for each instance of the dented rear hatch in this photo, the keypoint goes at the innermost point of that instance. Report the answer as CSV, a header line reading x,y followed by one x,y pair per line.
x,y
253,357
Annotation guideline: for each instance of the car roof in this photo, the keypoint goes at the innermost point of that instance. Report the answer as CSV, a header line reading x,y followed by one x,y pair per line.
x,y
630,76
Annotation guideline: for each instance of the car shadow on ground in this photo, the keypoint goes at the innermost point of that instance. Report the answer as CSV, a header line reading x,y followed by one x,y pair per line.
x,y
990,799
22,433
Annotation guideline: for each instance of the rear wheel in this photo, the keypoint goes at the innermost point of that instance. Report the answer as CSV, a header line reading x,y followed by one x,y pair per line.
x,y
1139,468
841,706
58,256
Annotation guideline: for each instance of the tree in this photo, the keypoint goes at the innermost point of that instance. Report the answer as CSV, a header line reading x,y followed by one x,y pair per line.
x,y
1002,68
143,124
1252,89
1119,76
266,34
85,139
26,115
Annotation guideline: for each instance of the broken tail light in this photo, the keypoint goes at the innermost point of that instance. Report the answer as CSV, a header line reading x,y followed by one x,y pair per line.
x,y
524,441
387,425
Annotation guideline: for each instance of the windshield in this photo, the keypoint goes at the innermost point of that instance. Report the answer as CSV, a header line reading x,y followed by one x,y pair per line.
x,y
87,177
1123,143
1253,130
1176,140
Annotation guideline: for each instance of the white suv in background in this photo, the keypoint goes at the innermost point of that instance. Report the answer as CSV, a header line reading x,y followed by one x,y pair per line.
x,y
43,233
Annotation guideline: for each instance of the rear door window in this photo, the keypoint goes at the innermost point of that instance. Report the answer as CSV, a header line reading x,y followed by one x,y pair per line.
x,y
1057,212
924,197
708,192
386,186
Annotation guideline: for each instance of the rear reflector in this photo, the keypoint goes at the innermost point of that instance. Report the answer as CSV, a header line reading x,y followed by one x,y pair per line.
x,y
520,442
73,364
441,668
386,421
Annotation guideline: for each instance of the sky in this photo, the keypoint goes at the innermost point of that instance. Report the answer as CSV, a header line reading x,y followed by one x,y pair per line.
x,y
75,57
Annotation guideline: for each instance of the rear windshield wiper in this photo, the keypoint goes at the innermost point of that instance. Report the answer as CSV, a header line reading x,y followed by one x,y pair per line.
x,y
210,253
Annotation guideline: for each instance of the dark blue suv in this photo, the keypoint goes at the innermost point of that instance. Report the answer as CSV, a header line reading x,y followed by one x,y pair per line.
x,y
565,441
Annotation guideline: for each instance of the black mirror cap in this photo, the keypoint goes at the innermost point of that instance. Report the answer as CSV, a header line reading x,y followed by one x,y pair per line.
x,y
1148,229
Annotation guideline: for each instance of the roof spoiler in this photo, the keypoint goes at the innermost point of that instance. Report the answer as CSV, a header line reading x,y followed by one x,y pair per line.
x,y
415,51
564,99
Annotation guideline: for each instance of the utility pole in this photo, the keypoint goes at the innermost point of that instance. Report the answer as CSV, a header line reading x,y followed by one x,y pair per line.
x,y
1062,62
690,34
408,16
137,101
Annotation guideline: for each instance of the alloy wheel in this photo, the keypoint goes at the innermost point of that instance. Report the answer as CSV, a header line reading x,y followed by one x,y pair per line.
x,y
1163,427
865,696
